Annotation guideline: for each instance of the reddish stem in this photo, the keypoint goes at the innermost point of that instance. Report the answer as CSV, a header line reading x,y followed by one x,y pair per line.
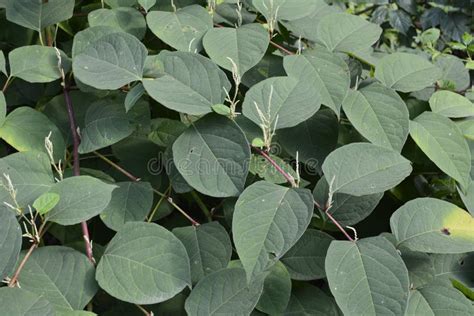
x,y
287,176
75,166
14,279
335,222
281,48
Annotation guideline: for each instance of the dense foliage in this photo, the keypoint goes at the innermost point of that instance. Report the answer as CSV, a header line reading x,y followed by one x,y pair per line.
x,y
236,157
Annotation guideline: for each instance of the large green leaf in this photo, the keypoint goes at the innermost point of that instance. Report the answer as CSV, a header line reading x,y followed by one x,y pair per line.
x,y
346,209
38,14
347,33
307,26
243,47
284,210
20,302
25,129
105,124
307,299
10,242
187,82
86,37
165,131
144,264
183,29
451,104
362,169
30,174
379,114
276,291
437,300
420,267
130,202
123,19
37,63
81,198
286,101
284,9
213,156
225,292
209,248
305,260
111,61
367,277
63,276
432,225
312,139
406,72
324,70
442,141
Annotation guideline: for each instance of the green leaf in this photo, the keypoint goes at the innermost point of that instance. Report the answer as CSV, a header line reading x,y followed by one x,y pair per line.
x,y
468,197
20,302
282,101
133,96
276,291
260,166
37,63
111,61
221,109
436,299
86,37
37,15
124,19
187,83
3,109
30,174
362,169
313,139
147,4
63,276
82,198
346,209
144,264
284,9
451,104
420,267
213,156
305,260
406,72
165,131
307,26
208,246
46,202
307,299
325,70
379,114
284,210
105,124
454,266
442,141
130,202
432,225
25,129
3,68
367,277
347,33
10,242
242,47
183,29
224,293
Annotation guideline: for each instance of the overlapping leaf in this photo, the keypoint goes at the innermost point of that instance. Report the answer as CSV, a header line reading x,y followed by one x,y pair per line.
x,y
261,238
434,226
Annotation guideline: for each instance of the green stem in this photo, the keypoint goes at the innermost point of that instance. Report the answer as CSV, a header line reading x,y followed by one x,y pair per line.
x,y
202,206
157,206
